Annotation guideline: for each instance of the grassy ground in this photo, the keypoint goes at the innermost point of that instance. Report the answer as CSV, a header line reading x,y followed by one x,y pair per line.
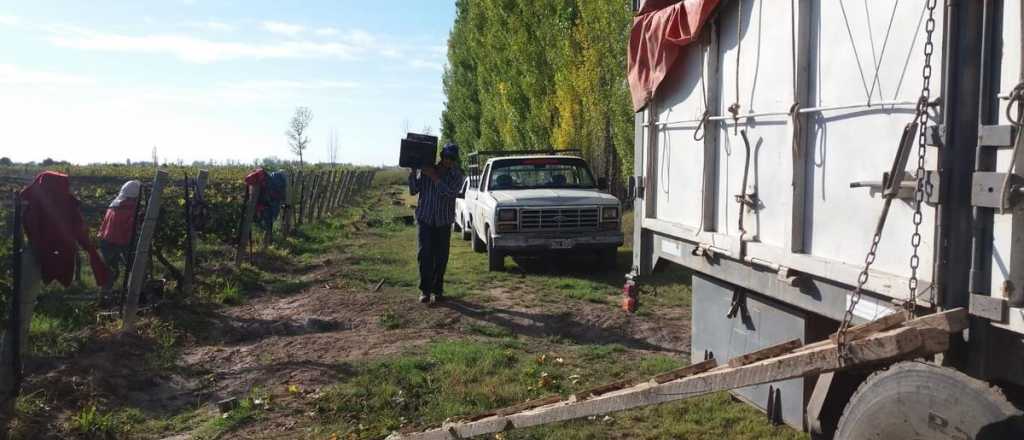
x,y
519,341
494,367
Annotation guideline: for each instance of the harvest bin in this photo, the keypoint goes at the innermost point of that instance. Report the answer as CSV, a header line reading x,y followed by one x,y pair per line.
x,y
418,151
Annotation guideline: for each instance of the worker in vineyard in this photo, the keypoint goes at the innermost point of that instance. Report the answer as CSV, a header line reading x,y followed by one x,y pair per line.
x,y
437,186
117,230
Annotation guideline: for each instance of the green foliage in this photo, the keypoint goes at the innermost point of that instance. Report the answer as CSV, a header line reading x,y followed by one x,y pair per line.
x,y
541,73
93,423
391,320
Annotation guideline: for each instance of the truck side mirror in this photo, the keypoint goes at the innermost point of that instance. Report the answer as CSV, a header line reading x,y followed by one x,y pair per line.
x,y
602,183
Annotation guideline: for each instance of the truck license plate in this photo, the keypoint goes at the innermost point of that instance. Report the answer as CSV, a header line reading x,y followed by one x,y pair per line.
x,y
561,244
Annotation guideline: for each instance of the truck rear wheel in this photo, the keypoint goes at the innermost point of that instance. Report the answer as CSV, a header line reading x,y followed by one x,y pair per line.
x,y
917,400
467,234
495,259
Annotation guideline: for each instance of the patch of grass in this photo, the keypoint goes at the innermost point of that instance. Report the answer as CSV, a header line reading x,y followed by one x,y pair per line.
x,y
461,378
93,423
229,294
248,410
165,338
53,336
391,320
489,330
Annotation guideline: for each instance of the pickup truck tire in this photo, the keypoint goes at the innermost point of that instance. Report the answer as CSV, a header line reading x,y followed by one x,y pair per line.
x,y
917,400
477,244
608,259
495,259
467,234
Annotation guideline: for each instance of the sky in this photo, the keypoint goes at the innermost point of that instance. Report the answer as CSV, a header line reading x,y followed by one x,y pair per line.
x,y
105,81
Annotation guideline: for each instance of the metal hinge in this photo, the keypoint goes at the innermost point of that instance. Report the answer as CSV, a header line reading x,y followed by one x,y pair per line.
x,y
907,186
995,135
987,189
936,135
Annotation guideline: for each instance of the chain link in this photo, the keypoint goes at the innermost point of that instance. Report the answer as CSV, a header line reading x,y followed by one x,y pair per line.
x,y
922,151
921,117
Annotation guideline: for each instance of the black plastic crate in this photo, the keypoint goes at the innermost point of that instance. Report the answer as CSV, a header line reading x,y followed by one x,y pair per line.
x,y
418,151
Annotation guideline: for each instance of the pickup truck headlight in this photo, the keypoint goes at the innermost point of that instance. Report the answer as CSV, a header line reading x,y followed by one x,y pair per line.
x,y
506,215
609,214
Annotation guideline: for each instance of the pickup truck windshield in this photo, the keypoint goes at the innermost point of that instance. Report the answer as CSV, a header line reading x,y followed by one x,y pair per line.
x,y
540,173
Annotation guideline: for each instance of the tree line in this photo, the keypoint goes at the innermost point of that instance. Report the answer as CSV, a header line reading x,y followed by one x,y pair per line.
x,y
532,74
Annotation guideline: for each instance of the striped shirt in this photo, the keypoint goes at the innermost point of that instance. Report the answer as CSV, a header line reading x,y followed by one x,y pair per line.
x,y
437,199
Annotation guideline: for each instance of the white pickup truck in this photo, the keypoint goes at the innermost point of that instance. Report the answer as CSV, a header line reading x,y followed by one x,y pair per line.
x,y
540,205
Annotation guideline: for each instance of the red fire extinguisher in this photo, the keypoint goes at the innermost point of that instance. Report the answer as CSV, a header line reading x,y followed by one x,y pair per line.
x,y
631,292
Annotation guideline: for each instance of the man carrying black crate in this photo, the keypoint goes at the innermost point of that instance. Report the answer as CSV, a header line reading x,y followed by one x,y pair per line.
x,y
438,186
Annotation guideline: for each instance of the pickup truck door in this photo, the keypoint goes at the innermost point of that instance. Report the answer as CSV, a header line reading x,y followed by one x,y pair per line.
x,y
478,209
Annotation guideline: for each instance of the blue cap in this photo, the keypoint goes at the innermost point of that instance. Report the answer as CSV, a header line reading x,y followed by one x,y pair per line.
x,y
450,151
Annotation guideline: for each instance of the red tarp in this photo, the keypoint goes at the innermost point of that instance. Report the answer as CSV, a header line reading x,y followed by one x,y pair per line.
x,y
660,29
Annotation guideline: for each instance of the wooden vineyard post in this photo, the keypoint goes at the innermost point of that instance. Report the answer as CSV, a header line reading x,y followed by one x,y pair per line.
x,y
13,338
318,204
345,184
302,197
317,182
333,195
286,214
192,200
306,196
138,274
245,230
328,189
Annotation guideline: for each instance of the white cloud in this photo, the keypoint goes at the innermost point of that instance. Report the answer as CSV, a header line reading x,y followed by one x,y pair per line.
x,y
282,28
199,50
361,37
327,32
14,75
426,65
294,85
9,20
212,25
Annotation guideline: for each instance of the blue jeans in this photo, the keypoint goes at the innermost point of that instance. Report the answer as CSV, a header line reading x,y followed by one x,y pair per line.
x,y
433,256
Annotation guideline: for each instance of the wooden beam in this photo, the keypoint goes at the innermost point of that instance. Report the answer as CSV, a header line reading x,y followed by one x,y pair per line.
x,y
885,346
886,322
242,247
765,353
138,274
689,370
949,321
606,388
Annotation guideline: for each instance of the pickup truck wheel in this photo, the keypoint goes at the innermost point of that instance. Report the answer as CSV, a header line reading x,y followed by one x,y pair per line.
x,y
495,259
467,234
608,259
916,400
478,245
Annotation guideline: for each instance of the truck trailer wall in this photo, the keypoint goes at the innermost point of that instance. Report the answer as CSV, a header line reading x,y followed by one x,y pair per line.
x,y
854,68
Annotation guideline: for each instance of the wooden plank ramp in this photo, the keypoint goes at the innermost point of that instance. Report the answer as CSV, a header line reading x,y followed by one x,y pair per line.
x,y
914,338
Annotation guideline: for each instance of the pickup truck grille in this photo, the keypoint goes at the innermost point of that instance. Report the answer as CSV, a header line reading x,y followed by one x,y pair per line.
x,y
557,219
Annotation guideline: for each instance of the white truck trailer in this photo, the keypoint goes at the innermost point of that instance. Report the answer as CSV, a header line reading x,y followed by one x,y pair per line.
x,y
764,161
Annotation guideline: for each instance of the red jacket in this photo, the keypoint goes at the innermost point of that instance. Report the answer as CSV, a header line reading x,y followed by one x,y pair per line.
x,y
118,224
55,229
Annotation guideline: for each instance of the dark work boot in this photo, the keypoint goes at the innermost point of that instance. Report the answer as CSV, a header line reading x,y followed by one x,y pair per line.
x,y
424,298
438,297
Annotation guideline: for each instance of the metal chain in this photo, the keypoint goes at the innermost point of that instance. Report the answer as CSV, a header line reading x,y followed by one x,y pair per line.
x,y
921,117
922,150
